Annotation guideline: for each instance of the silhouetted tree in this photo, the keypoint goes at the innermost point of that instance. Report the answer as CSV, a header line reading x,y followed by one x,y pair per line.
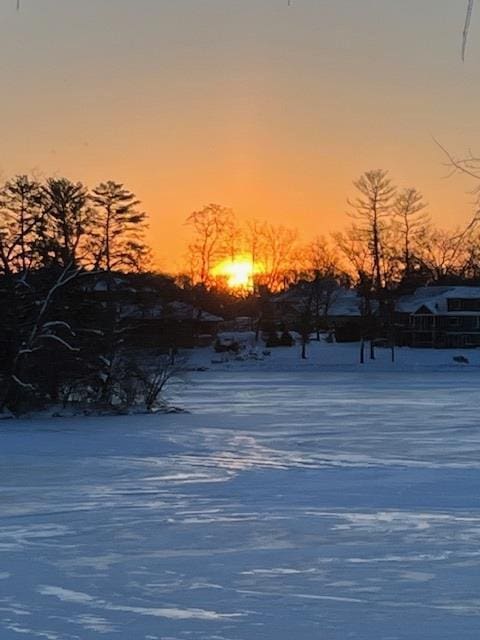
x,y
67,222
117,237
39,336
371,210
21,216
276,250
412,221
210,226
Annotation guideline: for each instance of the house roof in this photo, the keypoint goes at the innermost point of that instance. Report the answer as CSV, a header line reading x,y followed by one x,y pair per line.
x,y
185,311
340,301
345,302
172,311
435,300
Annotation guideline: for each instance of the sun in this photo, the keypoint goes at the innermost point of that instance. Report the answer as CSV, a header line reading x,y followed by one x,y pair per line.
x,y
238,272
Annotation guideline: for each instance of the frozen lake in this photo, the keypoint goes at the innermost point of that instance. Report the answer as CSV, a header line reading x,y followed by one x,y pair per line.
x,y
285,506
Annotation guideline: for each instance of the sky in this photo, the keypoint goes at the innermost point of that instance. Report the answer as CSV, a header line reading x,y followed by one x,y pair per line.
x,y
272,110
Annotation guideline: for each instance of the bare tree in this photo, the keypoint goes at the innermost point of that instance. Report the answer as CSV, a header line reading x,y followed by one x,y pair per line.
x,y
371,210
252,237
409,210
460,241
210,226
355,252
233,241
154,379
445,253
306,322
470,268
321,258
276,253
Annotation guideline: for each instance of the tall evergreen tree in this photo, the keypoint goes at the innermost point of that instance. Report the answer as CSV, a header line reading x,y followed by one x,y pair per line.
x,y
21,215
67,222
117,239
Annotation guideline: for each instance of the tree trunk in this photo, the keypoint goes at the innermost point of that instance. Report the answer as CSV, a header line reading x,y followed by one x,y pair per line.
x,y
304,349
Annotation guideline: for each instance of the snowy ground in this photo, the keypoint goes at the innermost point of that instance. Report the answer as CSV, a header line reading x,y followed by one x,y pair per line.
x,y
333,357
319,503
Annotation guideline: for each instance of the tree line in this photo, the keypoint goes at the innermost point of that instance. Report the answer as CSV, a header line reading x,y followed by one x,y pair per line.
x,y
391,244
63,246
60,223
56,238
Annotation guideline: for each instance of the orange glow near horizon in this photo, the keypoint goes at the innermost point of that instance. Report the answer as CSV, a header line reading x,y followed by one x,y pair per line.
x,y
238,272
268,109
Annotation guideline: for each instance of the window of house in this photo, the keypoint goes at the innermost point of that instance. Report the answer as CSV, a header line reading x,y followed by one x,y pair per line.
x,y
454,304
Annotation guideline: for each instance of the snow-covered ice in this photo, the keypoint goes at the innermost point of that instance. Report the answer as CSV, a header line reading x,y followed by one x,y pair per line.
x,y
317,503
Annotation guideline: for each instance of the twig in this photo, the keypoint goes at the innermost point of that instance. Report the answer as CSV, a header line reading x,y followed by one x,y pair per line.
x,y
466,28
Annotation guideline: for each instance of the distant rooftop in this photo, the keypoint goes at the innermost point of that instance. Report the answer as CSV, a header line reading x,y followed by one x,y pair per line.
x,y
435,299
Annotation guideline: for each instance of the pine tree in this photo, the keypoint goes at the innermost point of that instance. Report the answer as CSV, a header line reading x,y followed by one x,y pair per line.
x,y
117,241
66,223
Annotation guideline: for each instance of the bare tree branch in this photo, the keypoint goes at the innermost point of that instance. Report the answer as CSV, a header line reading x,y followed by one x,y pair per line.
x,y
52,336
466,28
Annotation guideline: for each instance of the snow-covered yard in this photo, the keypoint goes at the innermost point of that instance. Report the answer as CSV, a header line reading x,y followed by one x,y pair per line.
x,y
318,503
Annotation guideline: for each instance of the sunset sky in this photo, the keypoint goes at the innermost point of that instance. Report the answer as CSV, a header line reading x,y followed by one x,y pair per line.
x,y
269,109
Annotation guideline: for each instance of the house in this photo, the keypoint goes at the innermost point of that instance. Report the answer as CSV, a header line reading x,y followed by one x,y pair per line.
x,y
433,316
330,308
439,317
176,323
152,311
346,315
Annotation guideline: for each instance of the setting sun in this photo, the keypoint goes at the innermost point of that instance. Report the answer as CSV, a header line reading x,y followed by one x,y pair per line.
x,y
238,272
